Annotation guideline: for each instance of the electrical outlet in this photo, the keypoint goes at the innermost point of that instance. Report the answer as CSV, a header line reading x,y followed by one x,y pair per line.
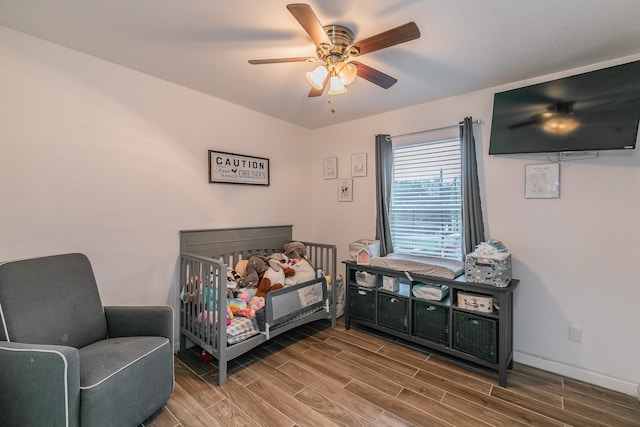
x,y
575,333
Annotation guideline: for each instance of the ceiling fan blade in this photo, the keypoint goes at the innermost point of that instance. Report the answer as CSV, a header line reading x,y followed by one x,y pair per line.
x,y
392,37
281,60
305,16
534,120
317,92
383,80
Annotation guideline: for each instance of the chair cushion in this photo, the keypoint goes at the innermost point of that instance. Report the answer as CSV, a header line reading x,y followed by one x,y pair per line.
x,y
51,300
111,392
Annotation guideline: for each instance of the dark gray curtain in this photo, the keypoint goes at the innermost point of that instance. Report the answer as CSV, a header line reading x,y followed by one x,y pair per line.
x,y
384,176
472,224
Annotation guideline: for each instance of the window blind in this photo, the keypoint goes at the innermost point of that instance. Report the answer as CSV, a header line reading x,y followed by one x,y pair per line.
x,y
426,199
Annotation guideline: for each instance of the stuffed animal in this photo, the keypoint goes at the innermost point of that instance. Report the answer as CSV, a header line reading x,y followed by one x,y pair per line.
x,y
195,292
206,357
295,250
241,269
276,275
256,302
208,316
250,270
232,277
240,308
303,268
246,303
279,261
266,285
274,272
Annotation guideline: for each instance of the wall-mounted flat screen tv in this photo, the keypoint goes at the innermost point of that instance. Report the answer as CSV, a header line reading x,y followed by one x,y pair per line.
x,y
598,110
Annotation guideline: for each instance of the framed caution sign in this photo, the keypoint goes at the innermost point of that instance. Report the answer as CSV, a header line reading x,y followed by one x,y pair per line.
x,y
233,168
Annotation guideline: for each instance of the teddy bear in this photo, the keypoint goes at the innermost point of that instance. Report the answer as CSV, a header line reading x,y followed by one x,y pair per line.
x,y
265,286
276,275
270,280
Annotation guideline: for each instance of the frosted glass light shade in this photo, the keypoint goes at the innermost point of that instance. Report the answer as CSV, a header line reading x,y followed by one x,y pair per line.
x,y
348,73
317,76
335,87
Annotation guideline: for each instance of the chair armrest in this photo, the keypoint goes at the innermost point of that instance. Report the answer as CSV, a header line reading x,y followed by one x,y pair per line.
x,y
132,321
39,384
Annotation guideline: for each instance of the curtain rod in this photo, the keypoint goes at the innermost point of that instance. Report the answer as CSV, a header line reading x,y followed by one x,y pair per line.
x,y
475,122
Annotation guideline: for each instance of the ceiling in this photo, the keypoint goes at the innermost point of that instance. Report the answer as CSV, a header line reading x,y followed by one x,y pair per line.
x,y
465,45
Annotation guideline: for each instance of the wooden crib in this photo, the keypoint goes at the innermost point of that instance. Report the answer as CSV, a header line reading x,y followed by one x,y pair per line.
x,y
205,258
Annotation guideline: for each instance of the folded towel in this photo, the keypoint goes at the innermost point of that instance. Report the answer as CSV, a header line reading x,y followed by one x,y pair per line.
x,y
430,292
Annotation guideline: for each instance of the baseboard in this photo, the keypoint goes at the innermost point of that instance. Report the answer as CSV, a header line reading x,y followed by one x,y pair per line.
x,y
580,374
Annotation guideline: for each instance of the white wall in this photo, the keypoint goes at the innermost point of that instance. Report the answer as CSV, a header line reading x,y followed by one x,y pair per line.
x,y
100,159
576,256
104,160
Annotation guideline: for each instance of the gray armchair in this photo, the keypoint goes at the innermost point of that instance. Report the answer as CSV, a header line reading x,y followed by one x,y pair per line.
x,y
65,360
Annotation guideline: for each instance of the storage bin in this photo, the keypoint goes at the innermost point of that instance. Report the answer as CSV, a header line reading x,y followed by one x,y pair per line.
x,y
362,303
475,335
393,312
390,283
371,246
475,302
488,271
431,322
366,279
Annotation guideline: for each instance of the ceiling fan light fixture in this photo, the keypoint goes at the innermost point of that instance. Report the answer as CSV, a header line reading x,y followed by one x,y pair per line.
x,y
316,77
348,73
335,46
335,87
560,125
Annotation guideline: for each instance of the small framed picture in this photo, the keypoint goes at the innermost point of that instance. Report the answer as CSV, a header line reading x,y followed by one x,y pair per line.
x,y
359,164
330,168
345,190
542,181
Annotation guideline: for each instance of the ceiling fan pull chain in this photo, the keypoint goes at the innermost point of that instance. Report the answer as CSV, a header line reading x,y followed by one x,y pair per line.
x,y
331,108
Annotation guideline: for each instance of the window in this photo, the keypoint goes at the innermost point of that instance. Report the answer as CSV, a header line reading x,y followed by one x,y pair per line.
x,y
426,196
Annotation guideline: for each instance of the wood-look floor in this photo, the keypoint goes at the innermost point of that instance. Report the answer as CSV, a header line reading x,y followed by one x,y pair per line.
x,y
318,376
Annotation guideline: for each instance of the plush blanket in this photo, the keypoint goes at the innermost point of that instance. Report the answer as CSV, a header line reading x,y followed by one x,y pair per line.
x,y
428,266
303,271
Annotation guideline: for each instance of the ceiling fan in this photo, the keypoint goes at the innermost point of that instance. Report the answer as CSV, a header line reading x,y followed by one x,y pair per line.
x,y
335,48
558,118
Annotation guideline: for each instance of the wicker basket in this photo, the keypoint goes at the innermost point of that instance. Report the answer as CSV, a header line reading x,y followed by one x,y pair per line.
x,y
476,335
431,321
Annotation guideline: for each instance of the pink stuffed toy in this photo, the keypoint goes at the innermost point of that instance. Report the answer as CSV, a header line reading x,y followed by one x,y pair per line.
x,y
208,316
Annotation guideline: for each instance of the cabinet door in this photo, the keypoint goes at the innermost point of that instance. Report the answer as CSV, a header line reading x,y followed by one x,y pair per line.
x,y
393,312
476,335
431,321
362,303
